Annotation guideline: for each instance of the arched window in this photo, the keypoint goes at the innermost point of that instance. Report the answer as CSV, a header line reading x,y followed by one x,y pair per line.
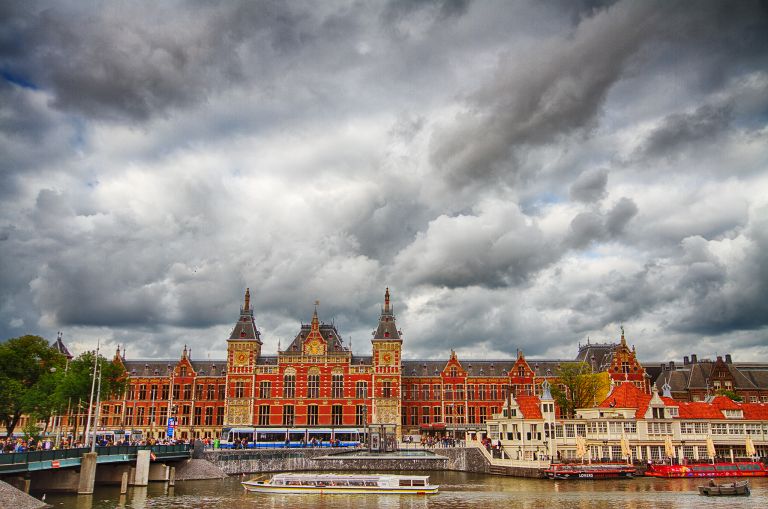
x,y
289,385
313,386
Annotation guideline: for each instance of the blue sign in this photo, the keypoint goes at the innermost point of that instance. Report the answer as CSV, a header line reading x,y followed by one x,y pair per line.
x,y
171,422
169,433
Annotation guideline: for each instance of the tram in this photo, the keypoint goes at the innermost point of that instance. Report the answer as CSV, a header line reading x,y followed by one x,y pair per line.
x,y
263,438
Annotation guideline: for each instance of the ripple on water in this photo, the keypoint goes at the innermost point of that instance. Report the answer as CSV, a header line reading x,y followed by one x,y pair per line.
x,y
457,491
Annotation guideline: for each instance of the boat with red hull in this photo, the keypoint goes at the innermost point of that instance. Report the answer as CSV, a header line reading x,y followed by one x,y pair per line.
x,y
594,471
738,469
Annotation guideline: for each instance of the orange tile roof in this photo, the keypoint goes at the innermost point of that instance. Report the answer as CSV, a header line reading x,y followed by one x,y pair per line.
x,y
529,406
755,411
627,395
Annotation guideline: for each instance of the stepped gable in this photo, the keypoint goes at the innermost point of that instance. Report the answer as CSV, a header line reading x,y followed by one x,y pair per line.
x,y
530,406
387,328
627,395
245,328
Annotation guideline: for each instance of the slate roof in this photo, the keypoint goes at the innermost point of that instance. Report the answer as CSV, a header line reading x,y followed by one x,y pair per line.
x,y
695,376
61,347
387,328
327,331
601,352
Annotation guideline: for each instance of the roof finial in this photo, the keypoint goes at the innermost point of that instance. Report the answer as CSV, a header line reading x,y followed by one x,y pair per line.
x,y
247,305
315,321
184,353
623,341
386,300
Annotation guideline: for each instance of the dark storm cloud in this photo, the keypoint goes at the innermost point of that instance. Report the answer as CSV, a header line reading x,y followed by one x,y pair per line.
x,y
535,99
590,186
684,131
722,299
124,61
588,227
457,152
396,10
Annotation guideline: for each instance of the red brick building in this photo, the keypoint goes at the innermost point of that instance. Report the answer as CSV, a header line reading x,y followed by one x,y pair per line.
x,y
317,382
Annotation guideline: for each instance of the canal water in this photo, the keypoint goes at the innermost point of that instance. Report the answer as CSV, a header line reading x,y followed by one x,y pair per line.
x,y
457,491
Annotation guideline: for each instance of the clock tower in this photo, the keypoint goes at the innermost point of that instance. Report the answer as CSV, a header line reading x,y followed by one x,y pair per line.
x,y
243,350
387,347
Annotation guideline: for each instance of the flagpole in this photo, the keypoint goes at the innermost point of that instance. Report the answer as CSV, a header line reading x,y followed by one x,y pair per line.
x,y
90,401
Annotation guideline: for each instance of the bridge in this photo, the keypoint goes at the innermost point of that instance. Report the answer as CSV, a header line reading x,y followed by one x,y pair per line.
x,y
22,462
79,469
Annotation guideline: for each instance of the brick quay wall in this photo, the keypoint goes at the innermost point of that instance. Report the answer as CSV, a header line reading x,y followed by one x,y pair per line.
x,y
250,461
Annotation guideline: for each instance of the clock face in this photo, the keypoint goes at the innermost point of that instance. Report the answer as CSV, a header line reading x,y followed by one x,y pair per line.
x,y
241,359
387,358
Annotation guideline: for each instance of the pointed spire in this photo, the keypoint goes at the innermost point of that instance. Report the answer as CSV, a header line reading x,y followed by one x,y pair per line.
x,y
315,320
184,353
623,341
386,301
247,304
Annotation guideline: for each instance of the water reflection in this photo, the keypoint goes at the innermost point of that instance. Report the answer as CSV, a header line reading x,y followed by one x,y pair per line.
x,y
457,491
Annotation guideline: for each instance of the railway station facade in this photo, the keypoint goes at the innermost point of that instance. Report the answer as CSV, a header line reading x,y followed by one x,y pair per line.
x,y
317,382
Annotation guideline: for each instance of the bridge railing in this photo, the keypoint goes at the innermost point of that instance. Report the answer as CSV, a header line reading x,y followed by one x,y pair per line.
x,y
13,461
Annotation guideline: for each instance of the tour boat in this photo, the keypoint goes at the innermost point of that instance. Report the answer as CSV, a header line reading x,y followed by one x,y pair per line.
x,y
738,469
594,471
326,484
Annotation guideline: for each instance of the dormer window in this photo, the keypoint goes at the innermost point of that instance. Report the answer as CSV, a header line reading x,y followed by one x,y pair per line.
x,y
520,371
733,414
183,371
672,411
453,372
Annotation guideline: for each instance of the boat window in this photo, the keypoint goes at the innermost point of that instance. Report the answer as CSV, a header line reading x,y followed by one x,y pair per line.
x,y
701,469
405,482
749,467
419,482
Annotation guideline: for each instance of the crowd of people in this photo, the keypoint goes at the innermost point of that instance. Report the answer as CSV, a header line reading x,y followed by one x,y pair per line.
x,y
11,445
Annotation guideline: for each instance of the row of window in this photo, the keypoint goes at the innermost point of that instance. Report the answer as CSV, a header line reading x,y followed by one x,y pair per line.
x,y
147,392
313,388
414,416
141,416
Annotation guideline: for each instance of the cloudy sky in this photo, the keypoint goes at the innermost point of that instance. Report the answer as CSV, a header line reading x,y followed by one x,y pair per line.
x,y
521,174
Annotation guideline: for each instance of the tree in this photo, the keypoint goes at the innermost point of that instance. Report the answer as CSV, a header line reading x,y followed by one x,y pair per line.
x,y
74,389
728,393
29,368
578,387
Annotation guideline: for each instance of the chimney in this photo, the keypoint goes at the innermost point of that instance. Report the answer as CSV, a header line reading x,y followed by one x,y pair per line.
x,y
671,365
686,361
719,358
728,358
694,360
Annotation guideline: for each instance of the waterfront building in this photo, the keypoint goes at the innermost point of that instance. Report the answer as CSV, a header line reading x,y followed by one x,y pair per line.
x,y
646,426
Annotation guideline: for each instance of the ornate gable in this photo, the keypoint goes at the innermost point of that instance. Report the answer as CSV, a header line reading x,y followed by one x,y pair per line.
x,y
453,367
314,342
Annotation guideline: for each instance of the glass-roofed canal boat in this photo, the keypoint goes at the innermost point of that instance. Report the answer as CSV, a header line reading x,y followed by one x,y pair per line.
x,y
327,484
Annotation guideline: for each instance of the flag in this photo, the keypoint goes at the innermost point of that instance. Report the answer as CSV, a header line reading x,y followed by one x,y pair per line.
x,y
625,450
581,447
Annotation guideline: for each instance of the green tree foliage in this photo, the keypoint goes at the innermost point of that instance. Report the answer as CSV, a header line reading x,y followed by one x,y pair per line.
x,y
730,394
29,370
578,387
37,380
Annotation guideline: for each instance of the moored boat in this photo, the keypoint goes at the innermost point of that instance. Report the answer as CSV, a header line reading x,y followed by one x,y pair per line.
x,y
738,469
595,471
327,484
725,490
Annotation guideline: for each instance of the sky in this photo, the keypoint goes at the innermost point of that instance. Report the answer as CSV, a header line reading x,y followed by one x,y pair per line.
x,y
523,175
